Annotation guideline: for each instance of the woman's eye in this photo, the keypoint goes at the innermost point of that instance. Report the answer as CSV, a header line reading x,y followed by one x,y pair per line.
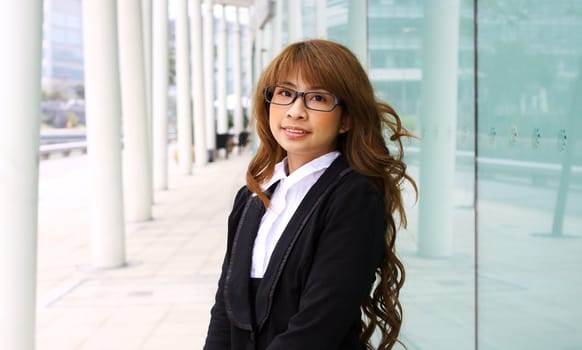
x,y
285,93
318,98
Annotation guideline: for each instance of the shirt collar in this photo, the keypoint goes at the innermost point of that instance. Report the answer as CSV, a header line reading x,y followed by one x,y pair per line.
x,y
319,163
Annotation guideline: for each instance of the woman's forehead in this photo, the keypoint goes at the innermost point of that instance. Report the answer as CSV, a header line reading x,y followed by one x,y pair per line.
x,y
298,76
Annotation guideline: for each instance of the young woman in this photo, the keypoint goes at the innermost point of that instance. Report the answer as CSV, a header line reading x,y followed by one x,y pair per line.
x,y
310,261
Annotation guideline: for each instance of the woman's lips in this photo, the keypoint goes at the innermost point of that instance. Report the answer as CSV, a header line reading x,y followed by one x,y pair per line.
x,y
294,131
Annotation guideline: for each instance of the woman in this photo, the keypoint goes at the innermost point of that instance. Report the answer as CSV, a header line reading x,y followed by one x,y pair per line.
x,y
315,226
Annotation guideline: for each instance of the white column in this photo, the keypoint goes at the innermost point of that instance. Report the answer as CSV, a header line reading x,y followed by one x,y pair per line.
x,y
278,26
258,52
250,80
358,29
258,67
438,121
20,67
201,148
136,174
160,94
294,20
321,15
146,10
209,77
103,109
183,107
147,47
266,42
222,116
237,77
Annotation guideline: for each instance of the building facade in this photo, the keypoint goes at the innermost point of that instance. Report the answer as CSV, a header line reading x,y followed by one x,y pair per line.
x,y
63,43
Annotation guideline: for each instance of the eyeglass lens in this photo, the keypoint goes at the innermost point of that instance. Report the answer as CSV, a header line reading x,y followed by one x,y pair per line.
x,y
320,101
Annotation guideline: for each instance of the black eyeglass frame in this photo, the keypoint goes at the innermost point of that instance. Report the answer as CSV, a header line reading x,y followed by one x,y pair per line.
x,y
336,101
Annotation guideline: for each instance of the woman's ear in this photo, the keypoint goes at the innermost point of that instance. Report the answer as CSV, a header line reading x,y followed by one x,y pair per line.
x,y
344,125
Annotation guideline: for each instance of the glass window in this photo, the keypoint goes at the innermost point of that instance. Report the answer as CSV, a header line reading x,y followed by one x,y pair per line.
x,y
530,175
66,73
58,36
438,248
74,21
57,18
493,251
73,37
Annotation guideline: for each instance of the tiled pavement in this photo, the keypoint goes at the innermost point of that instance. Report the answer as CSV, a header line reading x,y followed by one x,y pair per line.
x,y
161,299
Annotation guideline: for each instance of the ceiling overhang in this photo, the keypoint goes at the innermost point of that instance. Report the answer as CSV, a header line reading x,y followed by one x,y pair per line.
x,y
239,3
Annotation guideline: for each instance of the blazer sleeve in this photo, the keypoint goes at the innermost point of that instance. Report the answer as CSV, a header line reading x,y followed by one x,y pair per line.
x,y
218,337
350,248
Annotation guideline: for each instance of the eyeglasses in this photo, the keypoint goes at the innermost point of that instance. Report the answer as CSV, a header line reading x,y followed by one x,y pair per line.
x,y
314,100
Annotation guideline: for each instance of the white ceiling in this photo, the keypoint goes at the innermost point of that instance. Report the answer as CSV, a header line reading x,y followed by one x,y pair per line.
x,y
240,3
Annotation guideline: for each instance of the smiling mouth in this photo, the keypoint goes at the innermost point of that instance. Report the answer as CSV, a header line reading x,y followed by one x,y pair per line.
x,y
295,131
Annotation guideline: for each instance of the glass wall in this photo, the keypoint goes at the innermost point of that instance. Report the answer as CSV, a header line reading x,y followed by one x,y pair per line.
x,y
421,49
504,271
530,174
493,89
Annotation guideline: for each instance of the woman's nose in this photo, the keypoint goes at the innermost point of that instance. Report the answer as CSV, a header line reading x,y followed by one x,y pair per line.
x,y
297,109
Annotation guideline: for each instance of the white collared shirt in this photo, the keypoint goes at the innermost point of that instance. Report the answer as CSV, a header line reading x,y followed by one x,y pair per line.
x,y
284,202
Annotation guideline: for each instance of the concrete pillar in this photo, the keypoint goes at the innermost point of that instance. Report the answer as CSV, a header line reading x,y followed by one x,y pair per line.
x,y
160,94
321,22
209,77
438,123
258,53
201,148
358,29
222,66
147,48
103,109
183,98
20,67
136,174
258,67
238,121
294,20
266,41
277,44
574,127
250,79
146,10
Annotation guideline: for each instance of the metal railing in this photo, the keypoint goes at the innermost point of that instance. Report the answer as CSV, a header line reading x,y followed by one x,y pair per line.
x,y
64,149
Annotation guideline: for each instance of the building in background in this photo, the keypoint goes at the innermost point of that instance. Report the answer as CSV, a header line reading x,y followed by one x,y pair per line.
x,y
62,62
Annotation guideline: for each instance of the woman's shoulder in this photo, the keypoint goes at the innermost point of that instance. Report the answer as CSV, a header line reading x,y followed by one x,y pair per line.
x,y
354,180
356,186
241,196
353,185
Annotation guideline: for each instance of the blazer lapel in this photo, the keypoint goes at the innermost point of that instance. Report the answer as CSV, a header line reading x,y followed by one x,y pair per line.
x,y
284,246
236,287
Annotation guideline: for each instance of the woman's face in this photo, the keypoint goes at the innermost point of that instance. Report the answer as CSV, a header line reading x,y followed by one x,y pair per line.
x,y
304,133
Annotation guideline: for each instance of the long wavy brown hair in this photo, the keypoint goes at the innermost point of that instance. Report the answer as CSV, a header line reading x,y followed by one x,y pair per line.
x,y
371,123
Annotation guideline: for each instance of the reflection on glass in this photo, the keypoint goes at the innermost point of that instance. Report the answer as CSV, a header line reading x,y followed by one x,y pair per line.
x,y
530,207
511,278
439,293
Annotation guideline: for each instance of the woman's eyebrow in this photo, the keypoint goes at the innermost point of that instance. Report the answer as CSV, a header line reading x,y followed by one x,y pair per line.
x,y
288,83
310,88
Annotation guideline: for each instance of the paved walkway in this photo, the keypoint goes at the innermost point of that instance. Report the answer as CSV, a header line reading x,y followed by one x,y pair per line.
x,y
161,300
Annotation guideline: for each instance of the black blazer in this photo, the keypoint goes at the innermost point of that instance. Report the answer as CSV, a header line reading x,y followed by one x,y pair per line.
x,y
319,274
